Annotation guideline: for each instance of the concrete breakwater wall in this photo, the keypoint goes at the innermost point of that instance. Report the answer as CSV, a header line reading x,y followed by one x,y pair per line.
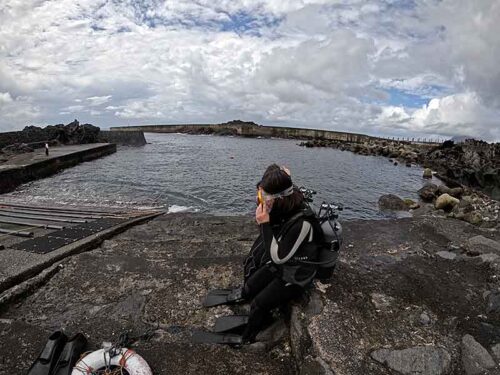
x,y
12,176
251,130
123,138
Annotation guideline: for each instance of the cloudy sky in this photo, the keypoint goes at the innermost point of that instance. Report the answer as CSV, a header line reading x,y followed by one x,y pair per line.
x,y
382,67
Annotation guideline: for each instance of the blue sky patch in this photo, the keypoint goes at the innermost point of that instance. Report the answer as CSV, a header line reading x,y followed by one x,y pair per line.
x,y
404,99
243,22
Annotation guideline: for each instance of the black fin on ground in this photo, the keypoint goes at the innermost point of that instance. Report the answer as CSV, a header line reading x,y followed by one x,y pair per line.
x,y
222,297
230,323
48,357
70,354
202,337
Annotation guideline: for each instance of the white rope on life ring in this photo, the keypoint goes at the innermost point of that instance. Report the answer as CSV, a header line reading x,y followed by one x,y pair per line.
x,y
126,358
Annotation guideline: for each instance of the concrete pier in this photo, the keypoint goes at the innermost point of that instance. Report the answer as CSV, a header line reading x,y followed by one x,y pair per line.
x,y
26,167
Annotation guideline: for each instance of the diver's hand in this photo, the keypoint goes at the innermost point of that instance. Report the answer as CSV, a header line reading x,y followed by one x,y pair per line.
x,y
261,214
286,170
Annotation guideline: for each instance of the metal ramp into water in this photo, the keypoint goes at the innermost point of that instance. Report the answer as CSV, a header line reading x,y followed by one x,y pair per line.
x,y
49,228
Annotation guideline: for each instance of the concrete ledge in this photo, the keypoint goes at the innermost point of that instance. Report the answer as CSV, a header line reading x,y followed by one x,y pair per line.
x,y
10,178
36,263
27,287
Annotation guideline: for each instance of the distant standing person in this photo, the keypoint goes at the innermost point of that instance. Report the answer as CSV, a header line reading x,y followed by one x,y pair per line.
x,y
46,149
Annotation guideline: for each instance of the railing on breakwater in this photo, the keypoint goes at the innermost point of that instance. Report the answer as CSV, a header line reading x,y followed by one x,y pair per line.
x,y
254,130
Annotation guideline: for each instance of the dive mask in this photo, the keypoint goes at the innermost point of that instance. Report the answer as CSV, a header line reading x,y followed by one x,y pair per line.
x,y
262,196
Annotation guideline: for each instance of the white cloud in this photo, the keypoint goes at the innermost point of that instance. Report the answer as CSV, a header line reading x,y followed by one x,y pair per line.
x,y
459,114
5,98
96,101
323,64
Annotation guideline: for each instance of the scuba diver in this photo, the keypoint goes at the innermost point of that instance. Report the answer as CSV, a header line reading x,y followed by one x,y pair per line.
x,y
274,271
282,262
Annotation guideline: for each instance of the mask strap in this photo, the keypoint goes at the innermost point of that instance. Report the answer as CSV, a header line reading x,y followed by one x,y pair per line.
x,y
285,193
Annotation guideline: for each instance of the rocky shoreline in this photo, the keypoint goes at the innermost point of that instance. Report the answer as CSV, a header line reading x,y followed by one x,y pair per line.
x,y
473,164
442,201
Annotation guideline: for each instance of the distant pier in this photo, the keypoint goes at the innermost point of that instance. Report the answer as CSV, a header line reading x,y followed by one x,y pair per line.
x,y
30,166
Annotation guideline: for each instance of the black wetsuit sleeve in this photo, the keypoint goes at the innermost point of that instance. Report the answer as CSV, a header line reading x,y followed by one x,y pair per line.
x,y
282,250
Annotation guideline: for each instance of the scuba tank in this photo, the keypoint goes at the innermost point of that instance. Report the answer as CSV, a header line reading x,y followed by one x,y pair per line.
x,y
329,246
332,241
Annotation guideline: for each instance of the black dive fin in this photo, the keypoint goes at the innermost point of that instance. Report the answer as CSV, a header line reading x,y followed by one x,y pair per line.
x,y
47,359
202,337
229,323
223,297
70,355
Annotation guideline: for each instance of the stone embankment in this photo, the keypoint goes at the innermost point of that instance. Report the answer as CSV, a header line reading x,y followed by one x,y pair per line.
x,y
473,164
413,296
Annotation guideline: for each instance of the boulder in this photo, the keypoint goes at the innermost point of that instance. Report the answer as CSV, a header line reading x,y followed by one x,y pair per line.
x,y
427,173
391,202
425,319
446,202
446,255
456,192
495,349
443,189
410,202
475,358
428,360
465,204
493,306
483,245
428,192
473,217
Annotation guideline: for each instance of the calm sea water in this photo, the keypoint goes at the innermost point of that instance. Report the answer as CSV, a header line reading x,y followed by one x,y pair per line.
x,y
218,175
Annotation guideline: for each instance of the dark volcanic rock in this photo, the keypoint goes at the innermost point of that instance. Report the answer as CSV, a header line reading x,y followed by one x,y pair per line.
x,y
418,360
406,314
476,359
473,163
392,202
493,303
72,133
17,148
428,192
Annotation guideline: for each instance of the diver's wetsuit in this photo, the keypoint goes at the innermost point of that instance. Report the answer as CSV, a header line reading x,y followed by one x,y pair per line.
x,y
273,276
